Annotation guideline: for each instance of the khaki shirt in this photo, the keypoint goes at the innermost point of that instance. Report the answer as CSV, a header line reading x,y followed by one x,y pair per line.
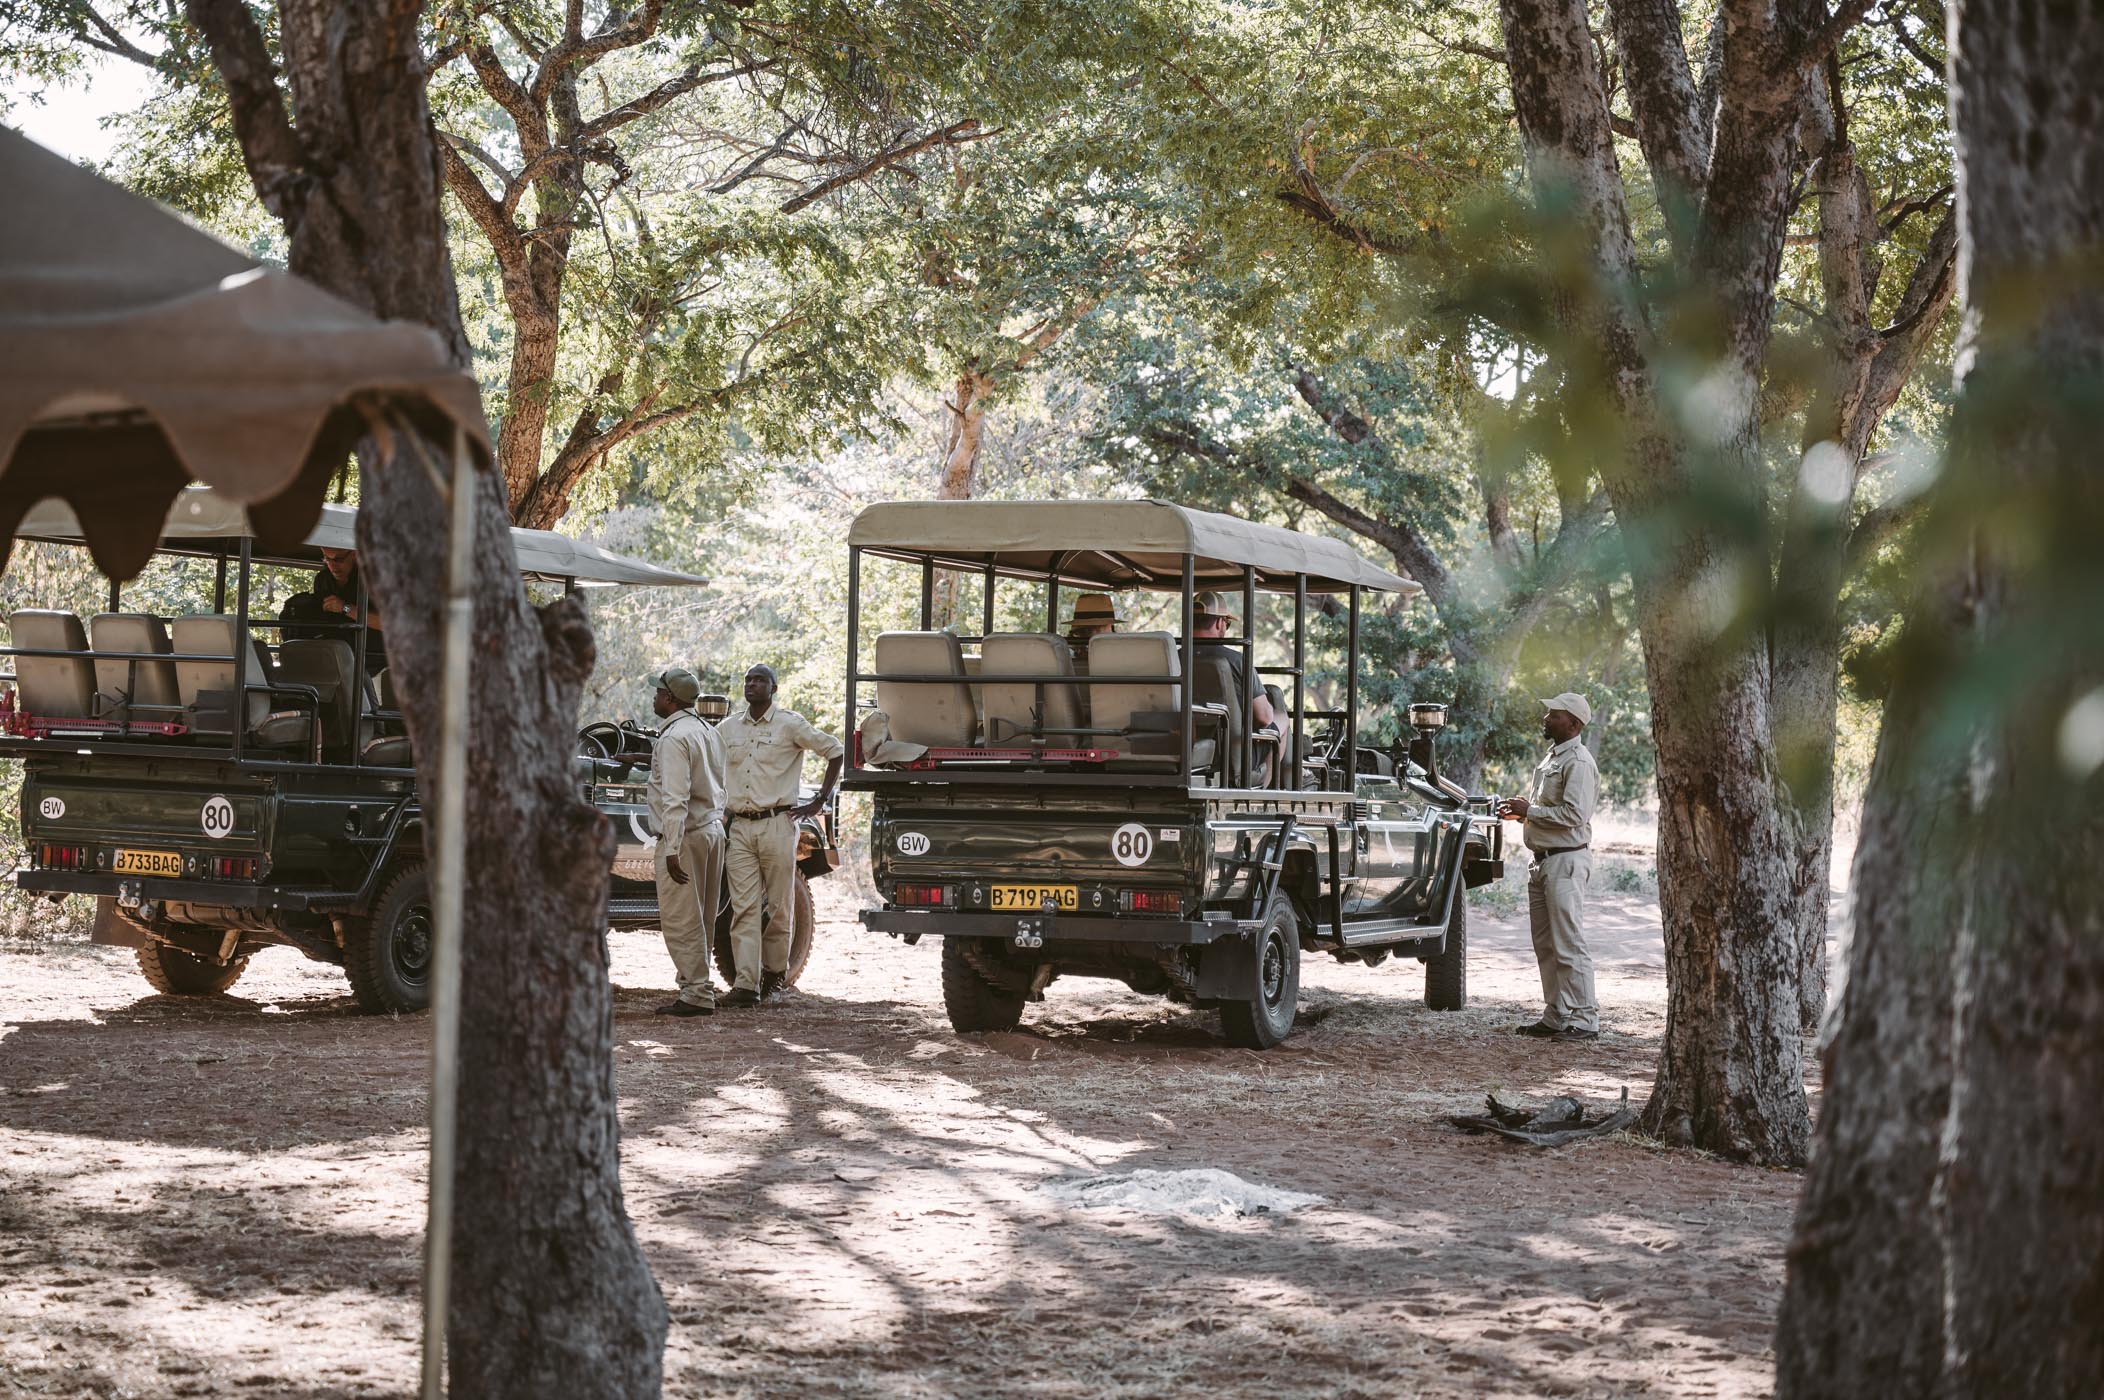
x,y
686,779
1566,789
766,756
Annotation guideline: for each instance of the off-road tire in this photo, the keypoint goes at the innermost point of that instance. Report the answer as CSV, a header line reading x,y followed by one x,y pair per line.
x,y
803,926
1264,1018
388,956
974,1003
1446,976
176,973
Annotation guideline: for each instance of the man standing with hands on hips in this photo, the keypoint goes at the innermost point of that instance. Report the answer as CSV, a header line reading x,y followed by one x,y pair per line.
x,y
765,747
1559,831
686,801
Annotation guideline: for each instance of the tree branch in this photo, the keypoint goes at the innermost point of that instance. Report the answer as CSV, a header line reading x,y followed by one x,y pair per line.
x,y
1896,20
956,132
269,146
1662,98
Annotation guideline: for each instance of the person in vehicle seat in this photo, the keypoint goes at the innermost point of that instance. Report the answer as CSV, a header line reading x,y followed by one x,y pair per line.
x,y
334,600
1559,830
686,799
1212,614
764,746
1093,613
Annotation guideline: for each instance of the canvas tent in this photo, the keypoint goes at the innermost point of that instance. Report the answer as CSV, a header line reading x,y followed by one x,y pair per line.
x,y
138,354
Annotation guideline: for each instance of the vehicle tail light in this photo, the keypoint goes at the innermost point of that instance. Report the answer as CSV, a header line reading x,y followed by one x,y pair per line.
x,y
1152,901
235,867
923,896
53,856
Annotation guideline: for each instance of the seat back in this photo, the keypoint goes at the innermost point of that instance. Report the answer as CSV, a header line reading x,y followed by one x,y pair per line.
x,y
1015,709
1131,654
146,688
328,666
1213,683
938,714
57,687
214,635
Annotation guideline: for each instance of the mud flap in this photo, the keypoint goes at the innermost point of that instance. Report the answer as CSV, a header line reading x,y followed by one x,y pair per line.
x,y
1227,967
114,929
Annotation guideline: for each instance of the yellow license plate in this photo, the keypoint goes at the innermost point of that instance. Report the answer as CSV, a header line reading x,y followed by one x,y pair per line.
x,y
1031,898
149,863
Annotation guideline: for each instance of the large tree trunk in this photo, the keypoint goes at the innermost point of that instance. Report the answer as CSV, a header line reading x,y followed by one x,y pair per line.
x,y
957,480
1985,1160
552,1296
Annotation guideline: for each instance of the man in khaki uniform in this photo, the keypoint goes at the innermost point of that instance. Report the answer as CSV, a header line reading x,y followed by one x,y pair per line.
x,y
1559,830
686,800
764,747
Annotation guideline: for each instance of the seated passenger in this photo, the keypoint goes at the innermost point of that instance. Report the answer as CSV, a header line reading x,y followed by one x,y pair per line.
x,y
1212,613
334,601
1093,613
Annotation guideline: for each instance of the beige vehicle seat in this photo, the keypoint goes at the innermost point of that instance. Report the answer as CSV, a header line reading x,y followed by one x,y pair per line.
x,y
1015,710
385,745
1145,710
53,687
130,689
329,667
938,714
205,688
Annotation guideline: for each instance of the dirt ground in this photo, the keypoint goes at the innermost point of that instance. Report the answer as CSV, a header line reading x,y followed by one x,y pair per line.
x,y
840,1197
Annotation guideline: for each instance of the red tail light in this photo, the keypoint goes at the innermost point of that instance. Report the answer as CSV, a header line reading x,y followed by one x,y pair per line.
x,y
922,896
1153,901
235,867
56,857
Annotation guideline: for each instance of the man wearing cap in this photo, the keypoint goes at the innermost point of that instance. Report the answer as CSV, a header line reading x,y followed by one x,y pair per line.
x,y
764,746
686,800
1212,614
1558,822
1093,613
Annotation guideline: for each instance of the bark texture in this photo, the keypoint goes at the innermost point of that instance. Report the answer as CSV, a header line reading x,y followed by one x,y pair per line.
x,y
551,1295
1951,1241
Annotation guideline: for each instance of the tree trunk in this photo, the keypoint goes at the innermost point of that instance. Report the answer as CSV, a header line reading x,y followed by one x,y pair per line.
x,y
1985,1161
552,1297
957,480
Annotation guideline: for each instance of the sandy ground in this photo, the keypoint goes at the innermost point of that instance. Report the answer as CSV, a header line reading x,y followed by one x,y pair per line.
x,y
840,1197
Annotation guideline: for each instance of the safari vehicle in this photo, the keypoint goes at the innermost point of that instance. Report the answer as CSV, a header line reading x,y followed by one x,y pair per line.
x,y
1047,814
219,793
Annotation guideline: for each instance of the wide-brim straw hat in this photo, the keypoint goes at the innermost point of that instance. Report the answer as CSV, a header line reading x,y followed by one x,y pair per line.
x,y
1095,610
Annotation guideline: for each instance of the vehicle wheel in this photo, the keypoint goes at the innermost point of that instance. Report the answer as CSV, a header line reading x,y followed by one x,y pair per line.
x,y
1446,976
179,974
974,1003
388,956
803,925
1265,1017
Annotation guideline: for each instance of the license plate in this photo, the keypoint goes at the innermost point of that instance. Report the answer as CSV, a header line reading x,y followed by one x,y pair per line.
x,y
149,863
1031,898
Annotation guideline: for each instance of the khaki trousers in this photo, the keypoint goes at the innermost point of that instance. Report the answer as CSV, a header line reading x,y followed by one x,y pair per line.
x,y
1556,887
681,916
762,868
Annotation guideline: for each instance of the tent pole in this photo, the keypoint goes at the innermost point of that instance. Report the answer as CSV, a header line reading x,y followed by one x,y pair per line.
x,y
447,890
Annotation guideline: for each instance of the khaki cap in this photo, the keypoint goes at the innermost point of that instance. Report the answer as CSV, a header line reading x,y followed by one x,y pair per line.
x,y
1572,701
682,682
1216,604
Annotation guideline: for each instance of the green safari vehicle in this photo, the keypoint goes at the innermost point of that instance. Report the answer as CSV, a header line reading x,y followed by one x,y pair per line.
x,y
1112,811
220,788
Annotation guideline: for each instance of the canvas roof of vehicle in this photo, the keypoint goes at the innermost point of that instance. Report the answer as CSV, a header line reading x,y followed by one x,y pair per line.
x,y
202,521
1115,544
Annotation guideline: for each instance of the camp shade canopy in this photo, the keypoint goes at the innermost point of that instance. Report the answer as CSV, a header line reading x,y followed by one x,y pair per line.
x,y
138,354
1113,545
205,522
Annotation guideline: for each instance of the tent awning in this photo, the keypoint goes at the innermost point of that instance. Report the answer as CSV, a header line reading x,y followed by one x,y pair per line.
x,y
1116,544
204,520
138,354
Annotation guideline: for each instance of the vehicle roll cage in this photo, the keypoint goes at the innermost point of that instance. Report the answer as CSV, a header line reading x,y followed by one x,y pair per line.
x,y
1060,572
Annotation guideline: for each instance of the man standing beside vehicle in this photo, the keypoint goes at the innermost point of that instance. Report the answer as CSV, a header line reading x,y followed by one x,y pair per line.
x,y
1558,823
764,746
686,800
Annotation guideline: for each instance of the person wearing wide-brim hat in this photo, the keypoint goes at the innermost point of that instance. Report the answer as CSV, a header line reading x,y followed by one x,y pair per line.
x,y
687,775
1559,831
1094,614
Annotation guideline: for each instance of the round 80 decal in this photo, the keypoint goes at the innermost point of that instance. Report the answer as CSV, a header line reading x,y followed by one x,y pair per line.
x,y
1132,844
